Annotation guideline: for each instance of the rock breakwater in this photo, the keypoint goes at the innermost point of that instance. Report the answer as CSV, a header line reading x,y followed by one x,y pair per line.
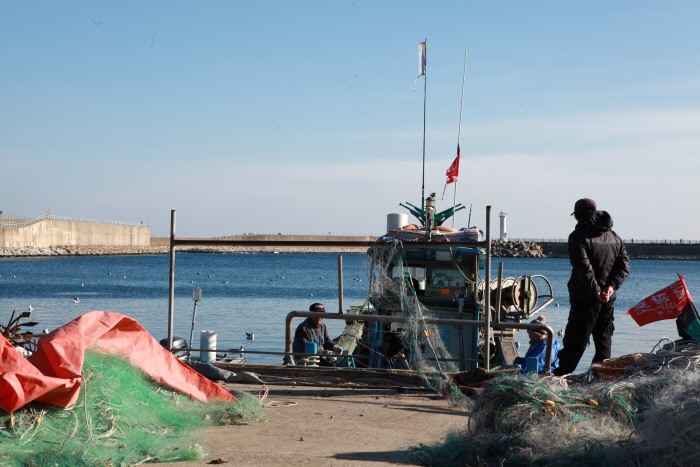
x,y
74,250
96,250
502,249
498,249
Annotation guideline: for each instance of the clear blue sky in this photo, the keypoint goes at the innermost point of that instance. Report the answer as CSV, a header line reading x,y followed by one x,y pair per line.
x,y
300,116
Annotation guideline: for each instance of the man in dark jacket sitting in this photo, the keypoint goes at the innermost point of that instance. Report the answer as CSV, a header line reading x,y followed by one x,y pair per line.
x,y
599,267
313,330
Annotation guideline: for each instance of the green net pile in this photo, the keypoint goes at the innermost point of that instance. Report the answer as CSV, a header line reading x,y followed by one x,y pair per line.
x,y
422,349
121,418
641,420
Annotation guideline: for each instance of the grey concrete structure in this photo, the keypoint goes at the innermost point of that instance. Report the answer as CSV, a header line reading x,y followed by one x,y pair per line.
x,y
47,231
657,250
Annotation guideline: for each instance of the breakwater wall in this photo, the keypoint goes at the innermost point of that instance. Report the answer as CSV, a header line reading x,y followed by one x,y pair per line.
x,y
47,231
638,250
158,250
165,241
513,248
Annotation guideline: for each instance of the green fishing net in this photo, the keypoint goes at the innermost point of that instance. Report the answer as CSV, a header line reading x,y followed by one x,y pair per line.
x,y
642,420
121,418
423,349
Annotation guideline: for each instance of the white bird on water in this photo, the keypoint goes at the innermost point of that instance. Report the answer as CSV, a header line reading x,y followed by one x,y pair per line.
x,y
76,300
250,336
30,308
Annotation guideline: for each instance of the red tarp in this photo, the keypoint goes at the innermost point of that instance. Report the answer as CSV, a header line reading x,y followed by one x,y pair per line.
x,y
53,373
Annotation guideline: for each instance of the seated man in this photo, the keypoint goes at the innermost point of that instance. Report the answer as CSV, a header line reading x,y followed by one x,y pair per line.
x,y
313,330
538,349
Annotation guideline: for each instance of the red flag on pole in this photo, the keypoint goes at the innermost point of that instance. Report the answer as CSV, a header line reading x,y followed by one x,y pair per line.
x,y
452,172
667,303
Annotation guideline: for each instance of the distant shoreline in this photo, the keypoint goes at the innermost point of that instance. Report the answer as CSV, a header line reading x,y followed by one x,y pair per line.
x,y
498,250
33,252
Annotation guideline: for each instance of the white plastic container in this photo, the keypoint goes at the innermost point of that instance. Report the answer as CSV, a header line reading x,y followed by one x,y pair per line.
x,y
396,221
207,342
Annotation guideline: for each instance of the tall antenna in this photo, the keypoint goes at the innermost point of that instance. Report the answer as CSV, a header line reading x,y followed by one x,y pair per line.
x,y
459,131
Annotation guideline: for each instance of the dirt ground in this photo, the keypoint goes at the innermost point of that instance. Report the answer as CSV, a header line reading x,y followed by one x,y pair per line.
x,y
332,427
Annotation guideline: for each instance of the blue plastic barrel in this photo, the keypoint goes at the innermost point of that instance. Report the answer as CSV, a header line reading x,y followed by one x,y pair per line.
x,y
531,365
312,347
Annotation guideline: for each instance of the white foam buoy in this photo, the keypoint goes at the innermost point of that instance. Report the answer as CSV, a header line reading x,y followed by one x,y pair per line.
x,y
207,342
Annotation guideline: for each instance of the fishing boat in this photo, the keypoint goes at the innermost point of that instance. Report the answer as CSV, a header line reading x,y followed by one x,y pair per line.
x,y
429,298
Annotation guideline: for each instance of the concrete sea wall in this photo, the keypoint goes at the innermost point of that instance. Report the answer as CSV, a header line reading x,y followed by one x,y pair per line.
x,y
47,231
638,250
51,236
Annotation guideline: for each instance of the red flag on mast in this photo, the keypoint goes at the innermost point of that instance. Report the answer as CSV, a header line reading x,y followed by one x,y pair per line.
x,y
453,172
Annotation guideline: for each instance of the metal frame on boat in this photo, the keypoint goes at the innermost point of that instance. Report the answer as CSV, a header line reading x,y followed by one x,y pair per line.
x,y
513,297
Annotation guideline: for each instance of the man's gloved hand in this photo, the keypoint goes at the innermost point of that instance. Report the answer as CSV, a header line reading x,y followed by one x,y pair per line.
x,y
329,355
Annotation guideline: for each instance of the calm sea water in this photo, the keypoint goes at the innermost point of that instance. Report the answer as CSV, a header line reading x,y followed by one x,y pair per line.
x,y
246,293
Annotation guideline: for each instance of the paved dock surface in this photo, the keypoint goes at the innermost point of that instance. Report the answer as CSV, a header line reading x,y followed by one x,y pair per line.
x,y
332,427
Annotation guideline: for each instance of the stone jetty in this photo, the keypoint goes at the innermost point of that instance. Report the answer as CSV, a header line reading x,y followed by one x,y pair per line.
x,y
96,250
512,249
85,250
498,249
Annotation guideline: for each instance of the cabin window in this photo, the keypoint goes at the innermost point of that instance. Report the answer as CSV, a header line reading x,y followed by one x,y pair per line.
x,y
446,279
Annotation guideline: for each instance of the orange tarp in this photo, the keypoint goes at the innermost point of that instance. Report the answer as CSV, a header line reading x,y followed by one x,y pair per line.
x,y
53,373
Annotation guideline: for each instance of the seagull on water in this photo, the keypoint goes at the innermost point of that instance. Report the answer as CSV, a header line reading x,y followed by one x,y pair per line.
x,y
250,336
76,300
560,333
30,308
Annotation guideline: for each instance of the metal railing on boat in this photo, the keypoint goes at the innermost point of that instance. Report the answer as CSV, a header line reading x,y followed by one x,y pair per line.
x,y
487,325
437,321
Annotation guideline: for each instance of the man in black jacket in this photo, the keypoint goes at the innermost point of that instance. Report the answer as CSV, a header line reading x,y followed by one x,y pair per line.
x,y
599,267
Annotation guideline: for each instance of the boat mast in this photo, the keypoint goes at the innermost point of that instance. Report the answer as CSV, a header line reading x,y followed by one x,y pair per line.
x,y
459,131
422,67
